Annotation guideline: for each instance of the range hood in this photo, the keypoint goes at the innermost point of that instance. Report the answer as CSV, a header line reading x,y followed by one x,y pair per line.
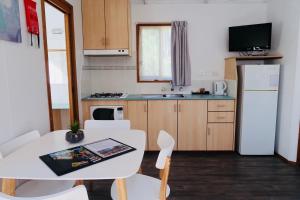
x,y
106,52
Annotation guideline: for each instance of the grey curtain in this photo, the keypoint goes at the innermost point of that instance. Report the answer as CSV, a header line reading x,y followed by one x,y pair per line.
x,y
180,59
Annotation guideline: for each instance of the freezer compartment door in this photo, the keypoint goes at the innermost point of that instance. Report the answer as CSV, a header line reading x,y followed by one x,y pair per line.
x,y
258,123
261,77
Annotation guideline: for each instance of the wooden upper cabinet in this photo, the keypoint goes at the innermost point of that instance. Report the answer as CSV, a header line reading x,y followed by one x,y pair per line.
x,y
93,24
192,122
106,24
162,115
117,24
138,115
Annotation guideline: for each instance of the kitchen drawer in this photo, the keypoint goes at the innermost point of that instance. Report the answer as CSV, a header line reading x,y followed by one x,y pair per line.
x,y
221,105
220,117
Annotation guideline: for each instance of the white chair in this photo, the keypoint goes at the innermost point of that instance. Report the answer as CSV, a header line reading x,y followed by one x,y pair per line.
x,y
106,124
76,193
149,188
12,145
33,188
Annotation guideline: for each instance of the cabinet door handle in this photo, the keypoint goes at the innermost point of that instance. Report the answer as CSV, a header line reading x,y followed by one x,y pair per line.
x,y
179,107
145,107
221,117
221,106
208,131
103,41
175,107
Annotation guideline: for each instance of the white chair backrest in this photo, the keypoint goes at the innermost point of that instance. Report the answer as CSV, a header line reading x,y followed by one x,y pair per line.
x,y
11,146
107,124
76,193
166,144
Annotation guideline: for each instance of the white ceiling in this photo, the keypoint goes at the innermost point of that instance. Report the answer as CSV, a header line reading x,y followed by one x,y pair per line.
x,y
197,1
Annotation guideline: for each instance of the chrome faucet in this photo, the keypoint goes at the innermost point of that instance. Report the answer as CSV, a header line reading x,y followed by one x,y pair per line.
x,y
172,86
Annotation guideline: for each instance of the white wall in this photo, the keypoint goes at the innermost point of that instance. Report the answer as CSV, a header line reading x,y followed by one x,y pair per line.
x,y
23,100
285,16
208,32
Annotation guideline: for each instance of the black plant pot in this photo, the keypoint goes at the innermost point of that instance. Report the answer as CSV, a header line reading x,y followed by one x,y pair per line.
x,y
74,137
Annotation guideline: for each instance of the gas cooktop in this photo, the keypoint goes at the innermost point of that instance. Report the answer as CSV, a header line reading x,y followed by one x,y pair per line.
x,y
108,95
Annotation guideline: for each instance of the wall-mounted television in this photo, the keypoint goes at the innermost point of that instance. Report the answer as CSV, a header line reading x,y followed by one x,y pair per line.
x,y
256,37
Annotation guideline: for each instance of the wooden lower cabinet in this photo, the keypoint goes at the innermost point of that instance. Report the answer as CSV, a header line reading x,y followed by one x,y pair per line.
x,y
137,114
195,125
220,136
221,105
220,117
162,115
192,122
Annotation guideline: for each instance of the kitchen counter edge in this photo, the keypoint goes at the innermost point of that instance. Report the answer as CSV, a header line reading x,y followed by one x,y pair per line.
x,y
140,97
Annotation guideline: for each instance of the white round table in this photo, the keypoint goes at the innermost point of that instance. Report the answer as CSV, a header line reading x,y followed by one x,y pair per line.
x,y
26,164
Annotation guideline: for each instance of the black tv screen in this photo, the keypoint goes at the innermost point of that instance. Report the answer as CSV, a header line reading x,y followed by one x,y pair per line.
x,y
250,38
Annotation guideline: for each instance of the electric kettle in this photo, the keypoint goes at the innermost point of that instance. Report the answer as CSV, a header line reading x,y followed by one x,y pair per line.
x,y
220,88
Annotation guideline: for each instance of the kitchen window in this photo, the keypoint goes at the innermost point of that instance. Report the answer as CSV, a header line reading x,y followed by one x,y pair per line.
x,y
154,53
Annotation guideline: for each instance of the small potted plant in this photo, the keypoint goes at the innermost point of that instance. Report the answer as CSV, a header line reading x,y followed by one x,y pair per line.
x,y
75,135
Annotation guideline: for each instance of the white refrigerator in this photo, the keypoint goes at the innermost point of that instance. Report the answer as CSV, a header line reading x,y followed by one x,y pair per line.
x,y
257,109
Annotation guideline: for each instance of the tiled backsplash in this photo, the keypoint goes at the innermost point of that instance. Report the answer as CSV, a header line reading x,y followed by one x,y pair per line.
x,y
123,79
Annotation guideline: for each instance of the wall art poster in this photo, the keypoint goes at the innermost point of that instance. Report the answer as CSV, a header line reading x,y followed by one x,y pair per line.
x,y
10,28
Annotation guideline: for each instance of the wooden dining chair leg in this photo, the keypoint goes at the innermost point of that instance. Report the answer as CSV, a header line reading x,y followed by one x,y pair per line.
x,y
121,188
9,186
164,179
161,173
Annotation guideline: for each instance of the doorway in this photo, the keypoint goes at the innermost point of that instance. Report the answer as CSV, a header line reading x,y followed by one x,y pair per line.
x,y
59,46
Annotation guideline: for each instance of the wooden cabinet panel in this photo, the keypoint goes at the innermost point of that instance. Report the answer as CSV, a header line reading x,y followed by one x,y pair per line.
x,y
220,116
137,114
221,105
220,136
57,125
93,24
188,121
192,122
117,24
162,115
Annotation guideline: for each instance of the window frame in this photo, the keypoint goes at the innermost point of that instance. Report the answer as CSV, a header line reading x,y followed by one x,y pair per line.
x,y
138,31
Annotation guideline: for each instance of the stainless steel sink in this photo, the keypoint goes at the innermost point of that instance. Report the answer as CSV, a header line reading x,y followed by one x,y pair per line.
x,y
159,96
173,95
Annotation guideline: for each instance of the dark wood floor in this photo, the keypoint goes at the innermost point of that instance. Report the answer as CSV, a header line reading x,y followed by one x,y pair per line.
x,y
221,176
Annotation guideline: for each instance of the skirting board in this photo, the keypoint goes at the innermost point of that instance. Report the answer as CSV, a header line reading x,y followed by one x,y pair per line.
x,y
286,160
298,157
